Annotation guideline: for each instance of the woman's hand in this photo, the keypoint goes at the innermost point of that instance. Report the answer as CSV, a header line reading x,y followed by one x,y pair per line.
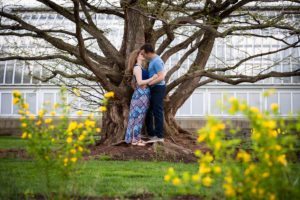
x,y
154,76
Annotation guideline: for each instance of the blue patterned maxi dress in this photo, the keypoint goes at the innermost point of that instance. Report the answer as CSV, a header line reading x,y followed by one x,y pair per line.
x,y
139,105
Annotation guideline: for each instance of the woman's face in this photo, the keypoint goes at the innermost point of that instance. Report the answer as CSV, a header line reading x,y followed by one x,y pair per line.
x,y
140,56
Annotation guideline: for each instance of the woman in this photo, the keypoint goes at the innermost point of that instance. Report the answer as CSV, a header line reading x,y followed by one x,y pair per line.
x,y
140,99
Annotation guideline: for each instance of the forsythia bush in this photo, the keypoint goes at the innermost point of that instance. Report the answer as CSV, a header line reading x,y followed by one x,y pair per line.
x,y
263,172
57,144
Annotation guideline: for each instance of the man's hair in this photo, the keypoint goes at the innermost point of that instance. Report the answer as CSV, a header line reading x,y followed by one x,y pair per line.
x,y
148,48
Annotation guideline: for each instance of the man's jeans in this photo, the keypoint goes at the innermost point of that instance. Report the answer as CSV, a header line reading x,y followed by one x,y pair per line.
x,y
156,110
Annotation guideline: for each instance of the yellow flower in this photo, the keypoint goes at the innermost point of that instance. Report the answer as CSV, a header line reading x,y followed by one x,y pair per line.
x,y
52,113
80,149
242,155
277,147
207,181
212,135
282,159
79,113
41,113
167,178
48,121
73,151
24,135
90,123
51,127
74,159
29,136
274,107
203,169
52,140
72,126
196,177
201,138
16,93
176,181
38,123
69,140
66,160
218,145
265,175
273,133
109,95
221,126
102,109
254,109
16,100
208,157
270,124
25,106
24,125
229,191
31,117
242,107
98,130
272,197
217,169
81,137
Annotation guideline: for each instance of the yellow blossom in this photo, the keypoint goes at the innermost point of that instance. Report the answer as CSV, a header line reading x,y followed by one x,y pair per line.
x,y
274,106
16,93
176,181
218,145
277,147
217,169
203,169
79,113
52,113
171,171
109,95
29,136
80,149
24,135
51,127
73,151
81,137
98,130
41,113
282,159
48,121
196,177
90,123
254,109
207,181
221,126
16,100
25,106
270,124
69,140
74,159
201,138
72,126
24,125
167,178
102,109
212,135
242,155
38,123
229,190
265,175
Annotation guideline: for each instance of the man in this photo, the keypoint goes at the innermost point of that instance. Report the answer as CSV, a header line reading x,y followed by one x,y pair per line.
x,y
157,88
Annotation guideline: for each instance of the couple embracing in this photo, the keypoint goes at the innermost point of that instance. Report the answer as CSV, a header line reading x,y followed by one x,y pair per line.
x,y
146,104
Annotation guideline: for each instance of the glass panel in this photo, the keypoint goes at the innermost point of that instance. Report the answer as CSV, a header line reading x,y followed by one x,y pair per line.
x,y
6,103
18,72
37,73
285,103
296,79
272,99
48,101
215,100
9,72
31,100
286,68
26,76
197,107
2,67
185,108
296,103
254,100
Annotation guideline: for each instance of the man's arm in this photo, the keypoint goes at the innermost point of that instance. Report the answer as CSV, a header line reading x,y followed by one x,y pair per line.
x,y
160,76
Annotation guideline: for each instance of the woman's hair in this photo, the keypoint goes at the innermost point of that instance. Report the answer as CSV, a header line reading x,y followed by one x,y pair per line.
x,y
132,60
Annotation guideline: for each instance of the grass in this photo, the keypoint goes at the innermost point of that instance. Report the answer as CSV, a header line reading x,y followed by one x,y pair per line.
x,y
95,178
12,142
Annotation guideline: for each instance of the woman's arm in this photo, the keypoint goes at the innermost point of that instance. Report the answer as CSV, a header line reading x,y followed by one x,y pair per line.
x,y
137,71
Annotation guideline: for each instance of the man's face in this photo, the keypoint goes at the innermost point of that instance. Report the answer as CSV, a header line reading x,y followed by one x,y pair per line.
x,y
146,55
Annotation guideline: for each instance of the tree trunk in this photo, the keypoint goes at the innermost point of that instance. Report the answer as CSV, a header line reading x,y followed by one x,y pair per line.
x,y
114,123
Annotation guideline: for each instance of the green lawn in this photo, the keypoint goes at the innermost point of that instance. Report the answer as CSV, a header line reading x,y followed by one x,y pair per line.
x,y
96,178
12,142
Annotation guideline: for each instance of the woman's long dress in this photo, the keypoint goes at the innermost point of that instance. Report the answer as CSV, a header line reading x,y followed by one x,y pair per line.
x,y
139,105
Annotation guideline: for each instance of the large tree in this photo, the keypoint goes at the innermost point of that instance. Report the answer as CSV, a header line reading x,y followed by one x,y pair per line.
x,y
88,55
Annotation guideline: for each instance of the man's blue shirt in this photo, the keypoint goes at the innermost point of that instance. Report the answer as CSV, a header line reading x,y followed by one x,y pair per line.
x,y
156,65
